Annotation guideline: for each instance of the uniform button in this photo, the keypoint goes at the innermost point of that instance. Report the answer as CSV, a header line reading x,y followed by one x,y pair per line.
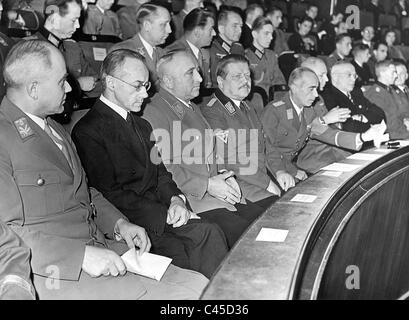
x,y
286,133
40,182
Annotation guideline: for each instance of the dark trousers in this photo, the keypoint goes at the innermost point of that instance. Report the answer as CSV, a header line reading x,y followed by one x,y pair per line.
x,y
198,245
234,224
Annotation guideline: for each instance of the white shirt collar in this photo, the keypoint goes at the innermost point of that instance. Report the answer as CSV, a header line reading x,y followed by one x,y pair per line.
x,y
147,46
368,43
185,103
195,49
39,121
121,111
359,64
297,108
236,102
100,9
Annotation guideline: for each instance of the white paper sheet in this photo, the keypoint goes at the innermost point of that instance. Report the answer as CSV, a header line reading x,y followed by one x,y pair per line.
x,y
272,235
149,265
333,174
341,167
99,54
305,198
365,156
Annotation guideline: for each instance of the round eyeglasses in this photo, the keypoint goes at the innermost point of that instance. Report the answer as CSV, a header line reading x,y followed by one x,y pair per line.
x,y
138,87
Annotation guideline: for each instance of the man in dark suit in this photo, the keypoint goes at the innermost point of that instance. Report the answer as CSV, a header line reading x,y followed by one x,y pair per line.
x,y
75,235
199,32
361,56
341,93
115,148
154,29
15,271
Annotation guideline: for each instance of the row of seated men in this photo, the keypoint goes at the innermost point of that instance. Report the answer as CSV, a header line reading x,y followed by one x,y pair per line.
x,y
209,190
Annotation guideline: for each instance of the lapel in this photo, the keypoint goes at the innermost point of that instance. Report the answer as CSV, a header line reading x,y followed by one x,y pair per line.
x,y
291,114
140,48
35,138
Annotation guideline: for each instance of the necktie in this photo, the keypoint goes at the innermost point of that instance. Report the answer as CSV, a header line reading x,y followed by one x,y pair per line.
x,y
155,56
59,142
200,60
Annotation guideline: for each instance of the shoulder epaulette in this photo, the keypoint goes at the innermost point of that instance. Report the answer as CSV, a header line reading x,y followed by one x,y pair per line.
x,y
278,103
212,102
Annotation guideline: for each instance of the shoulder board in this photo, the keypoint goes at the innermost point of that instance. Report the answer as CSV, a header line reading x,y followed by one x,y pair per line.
x,y
230,108
23,128
278,103
69,40
212,102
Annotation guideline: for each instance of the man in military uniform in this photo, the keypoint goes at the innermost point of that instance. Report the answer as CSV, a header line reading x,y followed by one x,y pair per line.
x,y
75,235
384,96
400,87
211,189
228,111
229,24
154,28
199,32
327,143
361,55
101,20
58,29
342,93
342,50
15,271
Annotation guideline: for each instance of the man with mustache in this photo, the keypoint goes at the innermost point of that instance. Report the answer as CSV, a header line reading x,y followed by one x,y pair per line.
x,y
116,152
75,235
154,28
212,191
229,111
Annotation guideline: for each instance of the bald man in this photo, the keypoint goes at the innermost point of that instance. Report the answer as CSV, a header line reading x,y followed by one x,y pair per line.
x,y
343,94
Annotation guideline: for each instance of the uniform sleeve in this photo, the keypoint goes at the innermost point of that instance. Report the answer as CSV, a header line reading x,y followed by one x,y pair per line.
x,y
15,283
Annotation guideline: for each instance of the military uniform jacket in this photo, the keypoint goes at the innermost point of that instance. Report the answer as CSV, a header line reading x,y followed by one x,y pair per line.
x,y
385,98
106,23
402,96
204,62
333,59
135,44
285,134
327,144
218,50
222,113
358,105
265,69
50,206
363,73
190,171
279,43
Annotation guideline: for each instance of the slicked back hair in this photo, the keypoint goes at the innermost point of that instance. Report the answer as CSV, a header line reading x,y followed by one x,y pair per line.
x,y
298,73
146,11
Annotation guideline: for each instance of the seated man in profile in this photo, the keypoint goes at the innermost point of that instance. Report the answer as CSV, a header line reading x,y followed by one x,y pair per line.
x,y
385,97
211,189
116,152
244,146
75,235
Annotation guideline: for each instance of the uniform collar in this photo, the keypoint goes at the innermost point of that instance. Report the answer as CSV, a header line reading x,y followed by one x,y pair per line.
x,y
224,44
50,37
296,107
229,103
259,54
384,86
194,49
147,45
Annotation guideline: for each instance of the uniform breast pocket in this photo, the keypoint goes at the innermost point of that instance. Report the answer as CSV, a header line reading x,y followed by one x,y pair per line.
x,y
40,191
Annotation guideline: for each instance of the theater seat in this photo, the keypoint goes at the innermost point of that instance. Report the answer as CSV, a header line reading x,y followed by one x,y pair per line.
x,y
387,20
366,19
95,47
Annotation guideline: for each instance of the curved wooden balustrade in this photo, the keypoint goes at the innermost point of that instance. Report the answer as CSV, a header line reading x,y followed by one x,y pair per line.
x,y
351,243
